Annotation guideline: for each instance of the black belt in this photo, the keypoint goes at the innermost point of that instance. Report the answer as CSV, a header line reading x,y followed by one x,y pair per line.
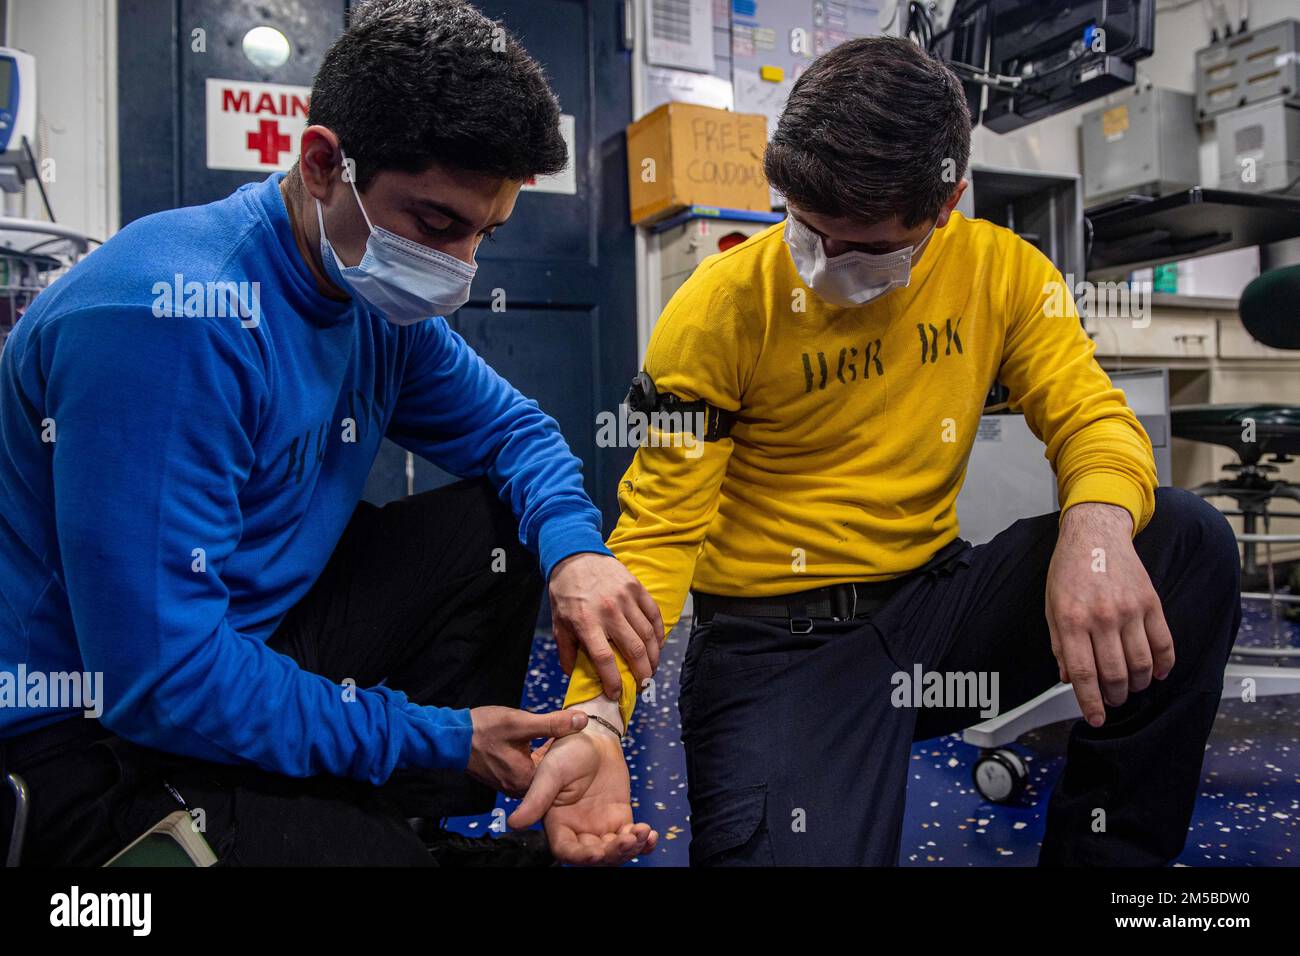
x,y
837,602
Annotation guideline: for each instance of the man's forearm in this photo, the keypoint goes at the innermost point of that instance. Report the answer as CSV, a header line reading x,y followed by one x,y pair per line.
x,y
1095,520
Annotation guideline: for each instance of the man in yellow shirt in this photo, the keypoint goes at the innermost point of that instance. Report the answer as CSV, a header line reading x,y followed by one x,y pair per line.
x,y
844,358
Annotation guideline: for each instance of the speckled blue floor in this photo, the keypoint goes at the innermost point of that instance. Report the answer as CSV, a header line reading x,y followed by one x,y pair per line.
x,y
1247,812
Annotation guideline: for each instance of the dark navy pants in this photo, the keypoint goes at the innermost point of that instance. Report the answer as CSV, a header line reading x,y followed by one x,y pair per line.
x,y
796,754
408,598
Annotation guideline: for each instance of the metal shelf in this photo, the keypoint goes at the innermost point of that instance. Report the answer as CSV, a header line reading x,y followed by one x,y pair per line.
x,y
1140,231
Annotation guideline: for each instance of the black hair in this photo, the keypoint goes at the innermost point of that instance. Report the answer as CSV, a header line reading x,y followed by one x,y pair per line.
x,y
411,83
875,128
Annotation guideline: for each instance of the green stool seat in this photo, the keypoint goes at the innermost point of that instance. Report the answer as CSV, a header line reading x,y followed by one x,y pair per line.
x,y
1276,428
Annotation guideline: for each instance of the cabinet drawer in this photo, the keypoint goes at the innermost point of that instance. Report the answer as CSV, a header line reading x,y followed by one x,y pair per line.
x,y
1162,338
1235,342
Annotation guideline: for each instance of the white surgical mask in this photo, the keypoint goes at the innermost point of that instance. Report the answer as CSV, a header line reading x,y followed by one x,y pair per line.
x,y
853,278
401,279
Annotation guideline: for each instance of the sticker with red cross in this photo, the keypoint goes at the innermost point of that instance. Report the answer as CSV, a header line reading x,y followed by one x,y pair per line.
x,y
254,126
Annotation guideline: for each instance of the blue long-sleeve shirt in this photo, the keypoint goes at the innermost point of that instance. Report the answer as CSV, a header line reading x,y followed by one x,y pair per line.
x,y
173,481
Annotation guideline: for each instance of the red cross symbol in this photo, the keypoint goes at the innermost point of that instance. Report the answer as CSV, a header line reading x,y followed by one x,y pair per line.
x,y
269,141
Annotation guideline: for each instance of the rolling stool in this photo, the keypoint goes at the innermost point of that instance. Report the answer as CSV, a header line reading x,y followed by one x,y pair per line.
x,y
1268,310
1274,430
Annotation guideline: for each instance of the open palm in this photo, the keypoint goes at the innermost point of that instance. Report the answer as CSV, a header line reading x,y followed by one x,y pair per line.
x,y
583,780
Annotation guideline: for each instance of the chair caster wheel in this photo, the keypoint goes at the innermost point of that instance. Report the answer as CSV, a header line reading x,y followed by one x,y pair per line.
x,y
1000,775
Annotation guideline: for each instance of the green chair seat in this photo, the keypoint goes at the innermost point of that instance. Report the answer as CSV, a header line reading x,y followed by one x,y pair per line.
x,y
1276,428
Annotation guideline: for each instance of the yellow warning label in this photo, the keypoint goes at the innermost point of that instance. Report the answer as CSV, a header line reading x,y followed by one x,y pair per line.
x,y
1114,123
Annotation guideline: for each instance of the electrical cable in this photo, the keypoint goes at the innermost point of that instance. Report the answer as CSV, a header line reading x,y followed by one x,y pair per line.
x,y
1224,17
980,75
1207,10
37,176
920,29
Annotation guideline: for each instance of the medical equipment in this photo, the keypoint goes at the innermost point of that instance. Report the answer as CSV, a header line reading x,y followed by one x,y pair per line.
x,y
32,255
17,99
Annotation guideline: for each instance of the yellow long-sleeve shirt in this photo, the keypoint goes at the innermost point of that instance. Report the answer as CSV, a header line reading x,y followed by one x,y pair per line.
x,y
854,425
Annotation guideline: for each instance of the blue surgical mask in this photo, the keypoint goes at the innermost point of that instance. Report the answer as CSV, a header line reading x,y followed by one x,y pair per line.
x,y
403,280
853,278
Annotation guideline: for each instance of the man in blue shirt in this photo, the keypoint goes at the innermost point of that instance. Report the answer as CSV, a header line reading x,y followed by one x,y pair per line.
x,y
194,608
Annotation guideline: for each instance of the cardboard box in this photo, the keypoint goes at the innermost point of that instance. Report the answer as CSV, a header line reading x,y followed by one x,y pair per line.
x,y
683,155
